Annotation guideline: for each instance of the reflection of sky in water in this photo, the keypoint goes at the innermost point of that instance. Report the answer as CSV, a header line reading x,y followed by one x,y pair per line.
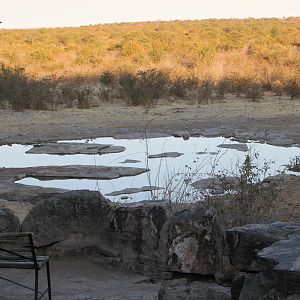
x,y
161,169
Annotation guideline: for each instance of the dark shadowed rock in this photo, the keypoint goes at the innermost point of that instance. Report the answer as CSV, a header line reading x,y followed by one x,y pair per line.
x,y
180,289
153,239
74,148
245,241
166,154
254,288
74,218
205,153
238,147
8,221
281,264
182,134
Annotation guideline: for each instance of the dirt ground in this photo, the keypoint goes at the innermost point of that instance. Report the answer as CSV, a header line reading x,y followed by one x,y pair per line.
x,y
80,279
274,119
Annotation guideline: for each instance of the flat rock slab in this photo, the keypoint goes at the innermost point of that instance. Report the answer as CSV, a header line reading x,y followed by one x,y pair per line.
x,y
16,192
74,148
282,264
238,147
130,161
166,154
134,190
205,153
216,183
75,172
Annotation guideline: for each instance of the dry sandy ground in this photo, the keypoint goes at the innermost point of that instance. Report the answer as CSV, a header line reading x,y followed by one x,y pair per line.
x,y
80,279
275,118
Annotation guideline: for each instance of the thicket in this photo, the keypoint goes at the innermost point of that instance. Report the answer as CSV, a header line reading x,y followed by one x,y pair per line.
x,y
141,62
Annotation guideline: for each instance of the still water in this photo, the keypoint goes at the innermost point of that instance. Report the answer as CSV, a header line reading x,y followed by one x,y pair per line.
x,y
162,170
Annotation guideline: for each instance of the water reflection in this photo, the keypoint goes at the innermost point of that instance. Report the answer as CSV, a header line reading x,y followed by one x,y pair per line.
x,y
209,157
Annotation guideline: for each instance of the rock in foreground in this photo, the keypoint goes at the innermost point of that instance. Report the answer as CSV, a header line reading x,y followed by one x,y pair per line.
x,y
8,221
78,217
196,290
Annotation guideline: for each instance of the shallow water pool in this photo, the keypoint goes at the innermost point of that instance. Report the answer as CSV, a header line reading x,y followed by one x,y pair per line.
x,y
170,172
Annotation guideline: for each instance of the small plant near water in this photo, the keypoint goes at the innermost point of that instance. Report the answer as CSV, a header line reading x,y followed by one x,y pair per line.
x,y
294,164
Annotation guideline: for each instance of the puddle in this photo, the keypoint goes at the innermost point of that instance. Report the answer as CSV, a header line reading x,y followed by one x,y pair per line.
x,y
209,157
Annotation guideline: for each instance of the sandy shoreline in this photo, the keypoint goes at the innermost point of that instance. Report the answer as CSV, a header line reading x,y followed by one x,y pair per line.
x,y
274,120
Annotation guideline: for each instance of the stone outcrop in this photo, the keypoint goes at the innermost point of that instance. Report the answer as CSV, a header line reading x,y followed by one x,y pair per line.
x,y
281,265
70,221
270,256
180,289
153,238
8,221
245,241
148,237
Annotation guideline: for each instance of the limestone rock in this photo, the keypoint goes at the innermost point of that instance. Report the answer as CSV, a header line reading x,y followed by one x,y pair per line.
x,y
134,190
238,147
219,184
75,216
75,172
130,161
166,154
195,290
245,241
8,221
74,148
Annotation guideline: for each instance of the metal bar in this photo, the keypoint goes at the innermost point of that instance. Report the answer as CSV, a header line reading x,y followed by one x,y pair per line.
x,y
43,294
16,254
22,285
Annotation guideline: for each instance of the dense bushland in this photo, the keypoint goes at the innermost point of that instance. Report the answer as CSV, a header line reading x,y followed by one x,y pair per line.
x,y
141,62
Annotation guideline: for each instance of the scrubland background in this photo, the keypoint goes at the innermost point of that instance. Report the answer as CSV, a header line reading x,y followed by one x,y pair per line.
x,y
143,62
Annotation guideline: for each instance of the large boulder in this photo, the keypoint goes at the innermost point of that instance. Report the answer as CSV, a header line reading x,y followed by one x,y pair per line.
x,y
281,265
152,237
70,220
195,290
8,221
245,241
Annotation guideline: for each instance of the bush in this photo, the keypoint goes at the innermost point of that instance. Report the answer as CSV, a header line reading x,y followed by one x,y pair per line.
x,y
254,91
84,97
107,78
144,88
181,86
23,92
222,87
293,89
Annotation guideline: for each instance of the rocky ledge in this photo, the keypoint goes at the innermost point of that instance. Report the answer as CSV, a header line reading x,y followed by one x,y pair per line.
x,y
74,148
185,247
